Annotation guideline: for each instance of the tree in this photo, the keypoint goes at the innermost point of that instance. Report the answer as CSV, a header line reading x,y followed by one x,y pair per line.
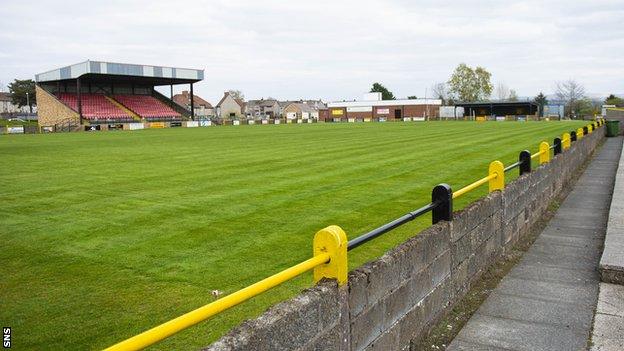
x,y
467,84
440,91
23,93
513,96
587,107
571,92
412,97
237,94
541,101
502,91
385,93
614,100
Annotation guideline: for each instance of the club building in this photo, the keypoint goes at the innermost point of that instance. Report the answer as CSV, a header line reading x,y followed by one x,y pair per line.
x,y
96,94
372,107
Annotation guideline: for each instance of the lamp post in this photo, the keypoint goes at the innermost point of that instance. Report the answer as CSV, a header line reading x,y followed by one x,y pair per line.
x,y
28,102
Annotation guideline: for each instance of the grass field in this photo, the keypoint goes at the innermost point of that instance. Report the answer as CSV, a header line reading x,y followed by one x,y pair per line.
x,y
105,235
7,123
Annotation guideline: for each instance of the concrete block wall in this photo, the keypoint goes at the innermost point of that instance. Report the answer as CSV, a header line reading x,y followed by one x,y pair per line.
x,y
392,302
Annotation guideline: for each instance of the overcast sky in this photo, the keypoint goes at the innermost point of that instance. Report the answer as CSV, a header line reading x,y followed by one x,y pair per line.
x,y
332,50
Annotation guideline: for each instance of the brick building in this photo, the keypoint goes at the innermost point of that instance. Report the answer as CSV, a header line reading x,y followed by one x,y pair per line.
x,y
378,109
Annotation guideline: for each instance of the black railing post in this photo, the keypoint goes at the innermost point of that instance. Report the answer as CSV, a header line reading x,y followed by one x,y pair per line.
x,y
525,161
572,136
585,131
442,200
557,144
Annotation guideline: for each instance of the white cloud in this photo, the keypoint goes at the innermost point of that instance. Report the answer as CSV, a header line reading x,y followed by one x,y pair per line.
x,y
325,49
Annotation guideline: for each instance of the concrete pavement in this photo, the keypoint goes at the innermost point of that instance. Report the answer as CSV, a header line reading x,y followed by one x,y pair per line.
x,y
547,301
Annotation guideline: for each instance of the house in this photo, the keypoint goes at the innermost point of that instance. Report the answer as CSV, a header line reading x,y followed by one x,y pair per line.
x,y
269,108
202,107
306,109
230,107
300,110
7,106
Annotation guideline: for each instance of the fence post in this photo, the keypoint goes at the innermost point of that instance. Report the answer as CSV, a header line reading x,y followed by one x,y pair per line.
x,y
579,134
565,141
525,162
442,197
331,240
544,156
557,143
498,182
572,136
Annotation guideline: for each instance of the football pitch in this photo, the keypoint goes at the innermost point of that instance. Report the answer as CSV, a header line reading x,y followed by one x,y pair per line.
x,y
105,235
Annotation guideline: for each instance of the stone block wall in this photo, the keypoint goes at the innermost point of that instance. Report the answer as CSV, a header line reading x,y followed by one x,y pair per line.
x,y
51,111
392,302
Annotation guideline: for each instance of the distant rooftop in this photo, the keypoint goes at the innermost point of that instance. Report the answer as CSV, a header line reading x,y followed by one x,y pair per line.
x,y
111,70
385,102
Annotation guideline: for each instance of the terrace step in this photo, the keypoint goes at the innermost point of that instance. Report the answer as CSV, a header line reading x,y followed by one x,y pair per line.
x,y
124,108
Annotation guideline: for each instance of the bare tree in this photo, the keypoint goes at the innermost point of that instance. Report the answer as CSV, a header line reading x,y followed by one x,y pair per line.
x,y
440,91
571,92
237,94
513,96
502,91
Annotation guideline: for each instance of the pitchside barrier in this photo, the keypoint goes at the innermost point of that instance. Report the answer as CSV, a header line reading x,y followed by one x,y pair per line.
x,y
330,245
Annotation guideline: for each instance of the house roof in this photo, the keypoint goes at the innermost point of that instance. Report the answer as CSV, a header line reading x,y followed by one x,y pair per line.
x,y
240,102
304,107
5,96
262,102
315,104
184,100
385,103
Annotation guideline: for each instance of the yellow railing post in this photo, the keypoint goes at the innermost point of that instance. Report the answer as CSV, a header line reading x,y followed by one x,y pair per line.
x,y
544,150
333,241
497,176
565,141
579,134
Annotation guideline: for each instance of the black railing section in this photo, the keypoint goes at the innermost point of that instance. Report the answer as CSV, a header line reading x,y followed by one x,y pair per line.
x,y
512,166
441,205
389,226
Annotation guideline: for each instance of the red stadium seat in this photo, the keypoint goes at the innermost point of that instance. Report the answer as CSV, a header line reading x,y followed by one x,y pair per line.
x,y
148,107
95,107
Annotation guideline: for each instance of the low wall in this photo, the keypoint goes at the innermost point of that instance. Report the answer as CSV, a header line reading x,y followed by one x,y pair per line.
x,y
391,302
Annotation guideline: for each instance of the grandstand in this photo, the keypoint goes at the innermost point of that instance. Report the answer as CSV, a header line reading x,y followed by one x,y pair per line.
x,y
105,94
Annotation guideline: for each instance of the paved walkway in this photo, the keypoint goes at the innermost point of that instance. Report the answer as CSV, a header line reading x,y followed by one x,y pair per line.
x,y
608,333
547,301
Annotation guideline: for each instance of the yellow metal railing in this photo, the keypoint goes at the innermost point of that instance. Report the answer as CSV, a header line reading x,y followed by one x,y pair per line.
x,y
543,153
495,178
329,261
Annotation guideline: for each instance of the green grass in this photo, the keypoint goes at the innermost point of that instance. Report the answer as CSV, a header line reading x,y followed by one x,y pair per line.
x,y
7,123
105,235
